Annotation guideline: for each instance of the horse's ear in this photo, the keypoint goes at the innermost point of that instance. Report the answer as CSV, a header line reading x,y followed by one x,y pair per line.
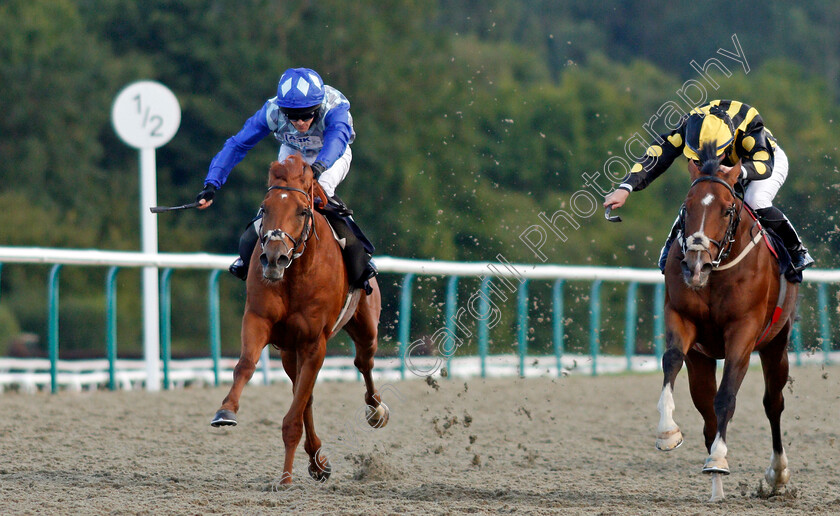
x,y
693,170
273,170
318,191
308,176
734,173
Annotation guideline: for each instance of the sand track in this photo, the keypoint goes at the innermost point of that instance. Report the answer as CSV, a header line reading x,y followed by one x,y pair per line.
x,y
576,445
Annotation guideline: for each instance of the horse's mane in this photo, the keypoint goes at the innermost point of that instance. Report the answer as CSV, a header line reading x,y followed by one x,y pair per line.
x,y
709,161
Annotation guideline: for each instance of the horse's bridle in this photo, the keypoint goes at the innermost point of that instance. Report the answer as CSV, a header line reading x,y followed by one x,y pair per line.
x,y
725,244
298,244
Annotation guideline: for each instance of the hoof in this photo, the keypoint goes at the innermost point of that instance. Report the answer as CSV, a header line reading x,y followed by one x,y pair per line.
x,y
716,466
776,479
224,418
379,416
320,472
670,440
284,482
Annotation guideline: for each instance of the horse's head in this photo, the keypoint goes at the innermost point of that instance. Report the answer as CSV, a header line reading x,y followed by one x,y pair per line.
x,y
709,217
287,219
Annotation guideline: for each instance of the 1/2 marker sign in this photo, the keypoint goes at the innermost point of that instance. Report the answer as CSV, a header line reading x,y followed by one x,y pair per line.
x,y
146,114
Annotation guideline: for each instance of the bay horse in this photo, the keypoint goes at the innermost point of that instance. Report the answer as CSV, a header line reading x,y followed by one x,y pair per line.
x,y
725,298
298,296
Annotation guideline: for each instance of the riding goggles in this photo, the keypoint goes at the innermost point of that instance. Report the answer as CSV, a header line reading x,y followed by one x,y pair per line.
x,y
300,113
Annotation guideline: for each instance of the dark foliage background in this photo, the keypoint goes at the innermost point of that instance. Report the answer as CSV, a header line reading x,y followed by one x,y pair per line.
x,y
472,118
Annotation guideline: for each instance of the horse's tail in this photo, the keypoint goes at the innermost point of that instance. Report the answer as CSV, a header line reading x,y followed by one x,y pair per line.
x,y
710,162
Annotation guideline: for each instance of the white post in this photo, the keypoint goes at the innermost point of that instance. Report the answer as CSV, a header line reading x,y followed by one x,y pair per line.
x,y
151,301
146,115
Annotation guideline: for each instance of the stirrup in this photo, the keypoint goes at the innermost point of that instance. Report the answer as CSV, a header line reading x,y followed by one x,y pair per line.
x,y
338,206
801,259
239,269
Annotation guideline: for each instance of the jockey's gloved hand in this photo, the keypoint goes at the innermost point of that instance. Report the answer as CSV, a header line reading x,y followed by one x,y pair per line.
x,y
207,194
318,169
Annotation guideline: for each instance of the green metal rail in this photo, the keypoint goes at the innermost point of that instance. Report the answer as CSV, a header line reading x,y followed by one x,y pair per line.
x,y
52,325
558,323
404,326
111,325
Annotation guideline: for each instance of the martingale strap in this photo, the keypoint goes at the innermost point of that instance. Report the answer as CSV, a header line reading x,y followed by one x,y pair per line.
x,y
756,239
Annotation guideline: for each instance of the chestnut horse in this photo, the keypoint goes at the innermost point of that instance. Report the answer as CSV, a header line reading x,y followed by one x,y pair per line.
x,y
725,298
298,296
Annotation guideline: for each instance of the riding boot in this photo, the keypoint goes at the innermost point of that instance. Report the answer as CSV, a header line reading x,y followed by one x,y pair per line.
x,y
358,252
247,242
663,255
774,219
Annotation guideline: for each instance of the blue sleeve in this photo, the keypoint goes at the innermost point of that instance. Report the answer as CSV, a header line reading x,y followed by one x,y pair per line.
x,y
237,146
337,134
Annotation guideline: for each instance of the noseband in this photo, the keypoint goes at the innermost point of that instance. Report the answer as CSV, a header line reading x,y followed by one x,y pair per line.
x,y
725,244
298,244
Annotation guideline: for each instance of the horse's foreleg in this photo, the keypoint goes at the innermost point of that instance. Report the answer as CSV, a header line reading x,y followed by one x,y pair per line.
x,y
309,363
774,362
255,333
738,348
702,385
733,374
680,335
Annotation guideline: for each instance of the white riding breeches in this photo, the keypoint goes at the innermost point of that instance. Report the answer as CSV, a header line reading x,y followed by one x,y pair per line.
x,y
331,177
760,194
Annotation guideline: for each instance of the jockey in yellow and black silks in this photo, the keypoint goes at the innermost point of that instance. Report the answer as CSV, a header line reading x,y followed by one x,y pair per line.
x,y
739,134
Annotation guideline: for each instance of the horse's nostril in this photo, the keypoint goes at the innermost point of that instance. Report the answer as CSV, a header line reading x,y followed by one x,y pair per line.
x,y
706,268
264,260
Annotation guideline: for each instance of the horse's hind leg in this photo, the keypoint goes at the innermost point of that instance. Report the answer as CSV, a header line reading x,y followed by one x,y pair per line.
x,y
702,385
774,362
255,332
308,361
319,467
363,329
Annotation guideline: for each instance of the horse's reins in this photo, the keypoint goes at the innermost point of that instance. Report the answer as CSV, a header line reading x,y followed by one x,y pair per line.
x,y
279,234
725,244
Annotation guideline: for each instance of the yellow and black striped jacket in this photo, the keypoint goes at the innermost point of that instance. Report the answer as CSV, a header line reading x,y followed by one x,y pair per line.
x,y
754,146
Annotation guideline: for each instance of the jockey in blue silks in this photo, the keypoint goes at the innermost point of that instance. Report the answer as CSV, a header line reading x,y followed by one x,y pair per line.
x,y
311,119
